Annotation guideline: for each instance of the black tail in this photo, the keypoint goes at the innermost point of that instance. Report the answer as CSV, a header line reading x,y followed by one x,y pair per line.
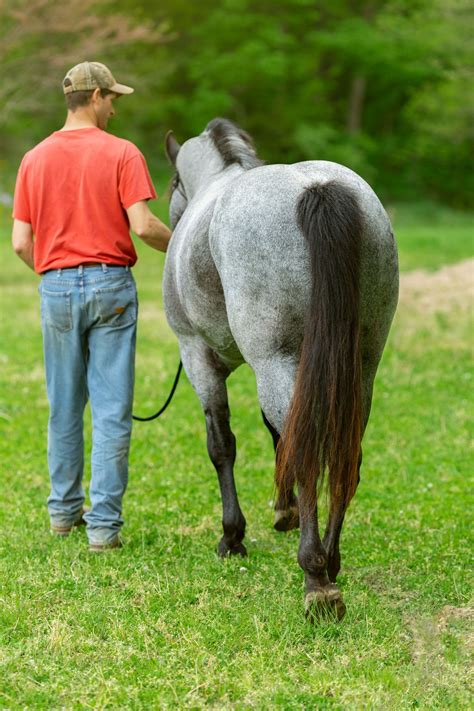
x,y
323,429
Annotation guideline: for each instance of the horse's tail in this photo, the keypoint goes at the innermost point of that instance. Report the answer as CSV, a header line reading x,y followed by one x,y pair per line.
x,y
323,429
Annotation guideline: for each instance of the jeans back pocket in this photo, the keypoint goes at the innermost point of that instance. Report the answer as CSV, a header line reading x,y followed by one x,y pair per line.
x,y
56,309
117,305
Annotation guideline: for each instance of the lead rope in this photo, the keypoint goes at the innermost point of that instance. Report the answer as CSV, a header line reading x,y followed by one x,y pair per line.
x,y
170,397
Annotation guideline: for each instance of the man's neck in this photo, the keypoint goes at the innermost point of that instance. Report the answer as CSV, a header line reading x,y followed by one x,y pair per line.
x,y
79,119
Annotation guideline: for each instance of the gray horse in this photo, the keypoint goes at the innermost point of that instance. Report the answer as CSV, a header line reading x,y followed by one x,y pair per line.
x,y
293,270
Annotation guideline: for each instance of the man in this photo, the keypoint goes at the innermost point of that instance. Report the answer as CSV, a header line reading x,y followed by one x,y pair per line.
x,y
77,194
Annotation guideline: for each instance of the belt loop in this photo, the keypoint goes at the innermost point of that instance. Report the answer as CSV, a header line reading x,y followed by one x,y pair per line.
x,y
127,267
59,273
80,269
105,268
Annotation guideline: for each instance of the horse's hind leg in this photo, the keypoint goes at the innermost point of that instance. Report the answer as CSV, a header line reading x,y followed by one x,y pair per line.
x,y
322,597
275,382
287,514
208,375
337,511
332,534
286,506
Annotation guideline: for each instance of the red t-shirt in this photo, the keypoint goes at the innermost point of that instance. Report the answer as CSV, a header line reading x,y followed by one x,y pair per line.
x,y
73,188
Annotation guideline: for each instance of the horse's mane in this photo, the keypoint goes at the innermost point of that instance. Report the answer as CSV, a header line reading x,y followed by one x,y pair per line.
x,y
233,143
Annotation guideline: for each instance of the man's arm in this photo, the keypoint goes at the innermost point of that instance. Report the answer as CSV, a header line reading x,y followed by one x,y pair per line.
x,y
148,227
23,243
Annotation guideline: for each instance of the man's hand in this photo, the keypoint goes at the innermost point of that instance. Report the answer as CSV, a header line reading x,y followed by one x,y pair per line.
x,y
148,227
23,243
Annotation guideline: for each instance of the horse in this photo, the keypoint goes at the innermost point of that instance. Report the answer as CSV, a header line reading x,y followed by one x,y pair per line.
x,y
292,269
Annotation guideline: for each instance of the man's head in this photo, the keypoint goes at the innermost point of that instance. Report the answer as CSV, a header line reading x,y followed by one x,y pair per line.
x,y
91,86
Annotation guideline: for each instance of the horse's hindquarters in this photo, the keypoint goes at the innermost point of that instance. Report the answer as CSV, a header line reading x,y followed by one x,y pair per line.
x,y
264,263
331,286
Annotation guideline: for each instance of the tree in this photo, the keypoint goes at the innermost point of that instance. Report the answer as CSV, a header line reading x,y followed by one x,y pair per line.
x,y
44,38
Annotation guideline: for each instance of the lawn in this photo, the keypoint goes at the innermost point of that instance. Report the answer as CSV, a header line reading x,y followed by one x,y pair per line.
x,y
165,623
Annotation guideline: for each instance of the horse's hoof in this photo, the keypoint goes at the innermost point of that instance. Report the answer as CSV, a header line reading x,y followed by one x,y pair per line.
x,y
325,603
287,519
224,549
335,601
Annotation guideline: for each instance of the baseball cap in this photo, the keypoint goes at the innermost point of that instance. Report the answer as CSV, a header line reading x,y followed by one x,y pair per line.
x,y
87,76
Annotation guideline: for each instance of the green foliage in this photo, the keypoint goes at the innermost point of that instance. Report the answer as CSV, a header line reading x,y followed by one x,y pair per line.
x,y
383,87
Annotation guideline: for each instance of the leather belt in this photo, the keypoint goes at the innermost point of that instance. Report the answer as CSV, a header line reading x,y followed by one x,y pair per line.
x,y
95,264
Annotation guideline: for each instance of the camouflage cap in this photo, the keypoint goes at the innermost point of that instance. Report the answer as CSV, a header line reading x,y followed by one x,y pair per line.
x,y
87,76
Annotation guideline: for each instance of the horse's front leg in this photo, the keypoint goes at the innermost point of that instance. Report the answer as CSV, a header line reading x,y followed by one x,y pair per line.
x,y
221,448
208,375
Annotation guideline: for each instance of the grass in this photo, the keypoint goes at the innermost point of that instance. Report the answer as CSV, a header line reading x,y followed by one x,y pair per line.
x,y
164,623
430,236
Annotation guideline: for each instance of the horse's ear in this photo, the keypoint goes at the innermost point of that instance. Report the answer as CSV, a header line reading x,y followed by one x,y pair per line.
x,y
171,147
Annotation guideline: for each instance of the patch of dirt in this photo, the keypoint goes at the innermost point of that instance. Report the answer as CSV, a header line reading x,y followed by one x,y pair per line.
x,y
207,523
451,287
449,614
455,613
428,634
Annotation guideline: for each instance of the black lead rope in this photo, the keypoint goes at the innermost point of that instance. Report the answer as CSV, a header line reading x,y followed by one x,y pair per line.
x,y
170,397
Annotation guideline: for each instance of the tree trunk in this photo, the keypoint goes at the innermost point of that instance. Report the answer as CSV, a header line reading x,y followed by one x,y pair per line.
x,y
356,104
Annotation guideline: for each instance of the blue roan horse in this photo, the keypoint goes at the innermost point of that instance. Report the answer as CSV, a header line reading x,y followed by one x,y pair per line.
x,y
292,269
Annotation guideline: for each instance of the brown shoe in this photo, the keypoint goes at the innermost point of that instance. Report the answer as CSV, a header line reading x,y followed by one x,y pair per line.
x,y
65,529
105,547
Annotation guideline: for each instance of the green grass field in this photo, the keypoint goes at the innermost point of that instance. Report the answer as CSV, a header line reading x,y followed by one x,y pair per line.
x,y
164,623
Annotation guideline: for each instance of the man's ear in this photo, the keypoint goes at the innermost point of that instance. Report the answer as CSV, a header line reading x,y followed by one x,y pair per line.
x,y
95,94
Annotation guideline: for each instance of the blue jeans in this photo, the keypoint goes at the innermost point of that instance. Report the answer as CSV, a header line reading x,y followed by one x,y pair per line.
x,y
89,318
